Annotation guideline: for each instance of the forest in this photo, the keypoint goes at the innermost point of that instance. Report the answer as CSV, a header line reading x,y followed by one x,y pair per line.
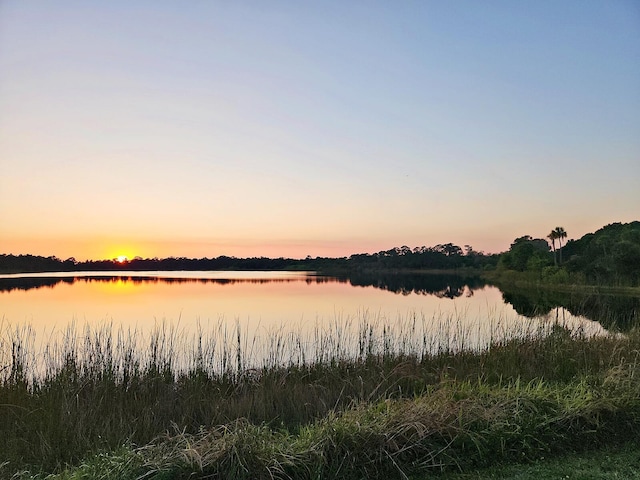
x,y
611,255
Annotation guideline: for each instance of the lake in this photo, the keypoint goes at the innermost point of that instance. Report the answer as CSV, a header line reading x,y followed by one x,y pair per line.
x,y
276,316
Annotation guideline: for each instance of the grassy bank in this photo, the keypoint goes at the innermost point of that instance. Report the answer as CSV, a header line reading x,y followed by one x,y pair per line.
x,y
99,404
557,280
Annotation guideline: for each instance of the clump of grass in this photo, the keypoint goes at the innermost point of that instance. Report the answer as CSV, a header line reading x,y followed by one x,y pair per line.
x,y
382,399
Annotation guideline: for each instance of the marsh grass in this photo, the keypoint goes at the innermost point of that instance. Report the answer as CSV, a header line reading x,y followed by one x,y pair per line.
x,y
377,398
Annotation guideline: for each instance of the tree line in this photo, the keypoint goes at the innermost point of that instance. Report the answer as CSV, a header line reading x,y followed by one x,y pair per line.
x,y
609,255
33,263
440,257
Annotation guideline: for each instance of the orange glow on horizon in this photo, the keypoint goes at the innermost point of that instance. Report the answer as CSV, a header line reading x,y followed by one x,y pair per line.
x,y
91,248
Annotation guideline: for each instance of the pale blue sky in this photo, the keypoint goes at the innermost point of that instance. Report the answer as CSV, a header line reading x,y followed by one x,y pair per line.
x,y
322,128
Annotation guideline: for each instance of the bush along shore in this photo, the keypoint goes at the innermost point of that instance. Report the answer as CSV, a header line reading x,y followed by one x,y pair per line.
x,y
95,405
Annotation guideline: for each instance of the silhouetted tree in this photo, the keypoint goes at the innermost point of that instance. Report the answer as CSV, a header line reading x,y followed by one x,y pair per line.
x,y
560,234
553,236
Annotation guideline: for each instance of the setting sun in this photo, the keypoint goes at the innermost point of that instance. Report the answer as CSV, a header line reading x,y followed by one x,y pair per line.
x,y
121,253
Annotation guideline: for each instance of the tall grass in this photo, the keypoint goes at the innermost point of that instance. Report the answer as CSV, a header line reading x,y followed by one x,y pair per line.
x,y
323,392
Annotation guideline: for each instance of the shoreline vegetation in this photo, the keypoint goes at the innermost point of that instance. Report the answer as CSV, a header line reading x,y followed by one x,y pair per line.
x,y
97,406
510,279
607,258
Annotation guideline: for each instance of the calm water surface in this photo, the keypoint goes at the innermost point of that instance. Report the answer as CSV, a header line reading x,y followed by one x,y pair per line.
x,y
264,304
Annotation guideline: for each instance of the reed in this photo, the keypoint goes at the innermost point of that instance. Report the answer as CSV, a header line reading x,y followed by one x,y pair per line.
x,y
361,395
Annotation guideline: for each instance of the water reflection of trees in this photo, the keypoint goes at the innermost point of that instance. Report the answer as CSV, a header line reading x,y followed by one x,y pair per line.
x,y
620,312
442,286
29,283
611,311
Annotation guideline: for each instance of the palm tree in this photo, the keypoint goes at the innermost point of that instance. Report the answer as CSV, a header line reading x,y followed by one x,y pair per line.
x,y
553,236
560,234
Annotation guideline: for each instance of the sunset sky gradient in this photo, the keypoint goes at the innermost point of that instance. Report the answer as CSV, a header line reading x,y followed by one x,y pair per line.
x,y
200,129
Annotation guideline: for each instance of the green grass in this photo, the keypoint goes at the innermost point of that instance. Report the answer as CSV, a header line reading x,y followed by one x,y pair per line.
x,y
96,405
609,463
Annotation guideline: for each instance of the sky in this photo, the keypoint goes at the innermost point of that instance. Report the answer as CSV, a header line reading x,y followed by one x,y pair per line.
x,y
288,128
